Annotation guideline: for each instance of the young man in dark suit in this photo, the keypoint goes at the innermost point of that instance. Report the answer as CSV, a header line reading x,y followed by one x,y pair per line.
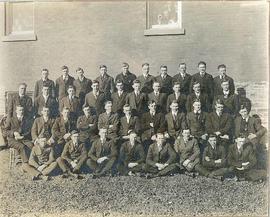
x,y
119,98
127,77
183,78
44,81
146,79
106,82
159,97
62,83
165,80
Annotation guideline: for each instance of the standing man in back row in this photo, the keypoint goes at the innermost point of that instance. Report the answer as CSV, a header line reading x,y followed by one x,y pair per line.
x,y
44,81
106,83
146,79
183,78
126,77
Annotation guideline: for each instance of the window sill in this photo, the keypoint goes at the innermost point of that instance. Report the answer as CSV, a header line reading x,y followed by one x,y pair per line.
x,y
20,36
163,31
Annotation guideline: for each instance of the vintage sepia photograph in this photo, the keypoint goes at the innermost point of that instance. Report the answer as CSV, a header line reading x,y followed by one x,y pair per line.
x,y
134,108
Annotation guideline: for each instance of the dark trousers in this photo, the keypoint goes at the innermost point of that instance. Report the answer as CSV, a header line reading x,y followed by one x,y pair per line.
x,y
65,166
103,168
22,146
170,169
34,172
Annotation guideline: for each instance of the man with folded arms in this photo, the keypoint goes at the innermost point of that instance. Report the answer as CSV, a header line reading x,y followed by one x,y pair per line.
x,y
73,156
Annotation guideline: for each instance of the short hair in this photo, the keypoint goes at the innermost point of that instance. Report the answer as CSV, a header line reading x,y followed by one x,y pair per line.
x,y
195,83
71,86
119,81
74,132
176,83
202,63
219,101
125,64
180,64
211,135
85,106
108,102
243,106
163,66
126,106
136,81
45,70
132,132
64,67
221,66
242,135
23,84
151,102
145,64
196,100
102,66
79,69
95,82
65,108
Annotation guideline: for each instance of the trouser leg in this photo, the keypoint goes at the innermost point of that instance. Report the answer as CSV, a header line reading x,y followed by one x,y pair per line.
x,y
20,147
92,165
108,166
220,172
30,170
47,170
170,169
201,170
137,169
151,169
255,175
62,164
81,161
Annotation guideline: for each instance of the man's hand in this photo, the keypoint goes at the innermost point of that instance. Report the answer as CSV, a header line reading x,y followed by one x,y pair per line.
x,y
151,124
111,126
186,162
218,133
91,125
153,137
207,158
131,165
204,137
251,136
224,137
101,159
245,164
126,137
166,135
51,141
66,136
218,161
41,167
73,164
240,168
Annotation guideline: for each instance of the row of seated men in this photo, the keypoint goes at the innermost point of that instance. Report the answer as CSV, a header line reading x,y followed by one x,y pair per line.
x,y
58,135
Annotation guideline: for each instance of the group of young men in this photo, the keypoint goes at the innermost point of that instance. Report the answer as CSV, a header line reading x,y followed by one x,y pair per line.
x,y
147,126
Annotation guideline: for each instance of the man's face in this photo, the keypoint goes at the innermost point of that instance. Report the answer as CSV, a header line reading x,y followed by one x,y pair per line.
x,y
103,133
145,69
45,112
42,142
182,68
152,107
71,91
240,142
127,111
202,68
156,87
163,71
125,69
219,108
176,88
22,90
119,86
75,138
65,113
174,107
197,106
80,73
244,113
108,107
103,70
212,141
222,71
44,74
65,72
197,88
136,86
186,134
225,86
86,111
19,111
45,91
160,139
95,86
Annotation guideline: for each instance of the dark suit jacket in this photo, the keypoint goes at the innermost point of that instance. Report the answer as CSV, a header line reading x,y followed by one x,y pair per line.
x,y
61,86
245,101
82,88
74,105
184,82
161,101
23,127
158,122
72,152
205,103
118,102
87,132
96,104
166,155
190,150
214,154
231,103
138,104
127,80
223,124
174,127
98,150
146,84
217,85
166,84
104,121
207,84
59,128
40,127
132,125
15,100
51,103
106,84
39,85
196,124
235,159
133,154
182,99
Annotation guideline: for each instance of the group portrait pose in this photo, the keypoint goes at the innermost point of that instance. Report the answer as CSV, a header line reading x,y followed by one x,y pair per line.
x,y
147,126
